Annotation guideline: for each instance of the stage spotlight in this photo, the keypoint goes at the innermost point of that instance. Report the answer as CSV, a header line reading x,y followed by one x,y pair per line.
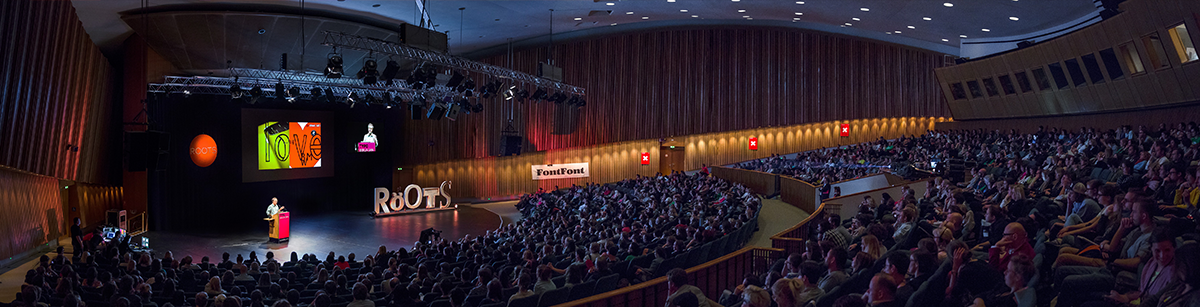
x,y
418,100
431,77
315,92
390,72
467,86
370,99
574,99
509,93
333,67
235,92
466,105
581,102
522,95
329,95
369,72
280,91
539,94
558,98
415,78
479,107
455,80
255,93
352,99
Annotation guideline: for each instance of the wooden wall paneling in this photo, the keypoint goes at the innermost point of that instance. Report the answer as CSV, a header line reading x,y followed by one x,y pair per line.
x,y
51,75
33,211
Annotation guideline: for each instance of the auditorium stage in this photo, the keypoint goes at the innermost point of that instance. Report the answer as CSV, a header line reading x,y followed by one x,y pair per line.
x,y
340,232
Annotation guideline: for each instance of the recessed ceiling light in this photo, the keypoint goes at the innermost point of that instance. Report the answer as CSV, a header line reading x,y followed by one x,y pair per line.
x,y
578,18
987,30
376,5
848,24
670,0
1014,18
889,32
948,4
645,17
864,9
741,11
694,16
736,0
683,11
912,27
610,3
799,14
613,24
897,31
628,13
796,18
747,16
855,19
945,40
926,18
963,36
799,2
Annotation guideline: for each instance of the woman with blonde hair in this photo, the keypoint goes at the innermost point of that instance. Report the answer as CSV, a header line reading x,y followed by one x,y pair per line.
x,y
872,246
213,288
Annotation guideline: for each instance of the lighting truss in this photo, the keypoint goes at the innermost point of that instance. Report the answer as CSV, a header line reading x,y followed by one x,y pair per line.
x,y
222,86
378,46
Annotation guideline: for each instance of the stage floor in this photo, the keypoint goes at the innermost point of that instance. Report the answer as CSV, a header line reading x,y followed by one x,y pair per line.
x,y
339,232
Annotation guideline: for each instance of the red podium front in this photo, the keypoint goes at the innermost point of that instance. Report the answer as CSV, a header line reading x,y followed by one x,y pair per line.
x,y
281,226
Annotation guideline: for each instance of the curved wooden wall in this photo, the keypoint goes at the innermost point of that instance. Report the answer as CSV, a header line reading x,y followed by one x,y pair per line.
x,y
493,177
1117,88
55,92
32,211
94,201
759,182
686,81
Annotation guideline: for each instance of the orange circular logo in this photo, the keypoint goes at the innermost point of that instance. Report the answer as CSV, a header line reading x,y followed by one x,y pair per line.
x,y
203,150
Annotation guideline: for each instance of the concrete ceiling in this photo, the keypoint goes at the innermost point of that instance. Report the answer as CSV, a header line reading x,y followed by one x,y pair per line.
x,y
485,24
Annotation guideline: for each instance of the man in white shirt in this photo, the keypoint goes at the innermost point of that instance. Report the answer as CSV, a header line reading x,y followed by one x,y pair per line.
x,y
274,208
370,136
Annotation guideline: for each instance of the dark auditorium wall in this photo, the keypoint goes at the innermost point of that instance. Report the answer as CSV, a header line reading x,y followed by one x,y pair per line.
x,y
55,92
511,176
1150,117
32,211
1103,87
685,81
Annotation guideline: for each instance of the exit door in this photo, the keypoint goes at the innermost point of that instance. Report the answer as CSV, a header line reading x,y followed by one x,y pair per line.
x,y
670,159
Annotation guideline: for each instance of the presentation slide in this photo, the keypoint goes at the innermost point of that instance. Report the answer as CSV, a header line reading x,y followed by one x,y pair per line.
x,y
289,145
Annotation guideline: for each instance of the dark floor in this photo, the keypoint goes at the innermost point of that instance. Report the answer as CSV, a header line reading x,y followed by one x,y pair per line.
x,y
340,232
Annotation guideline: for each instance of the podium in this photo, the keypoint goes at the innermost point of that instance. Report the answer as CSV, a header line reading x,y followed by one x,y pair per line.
x,y
280,227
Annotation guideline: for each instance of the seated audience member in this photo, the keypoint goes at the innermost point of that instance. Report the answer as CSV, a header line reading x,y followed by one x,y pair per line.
x,y
1014,242
524,287
686,299
1016,292
921,265
881,292
1156,275
835,262
1129,247
755,296
968,277
1185,292
677,284
896,265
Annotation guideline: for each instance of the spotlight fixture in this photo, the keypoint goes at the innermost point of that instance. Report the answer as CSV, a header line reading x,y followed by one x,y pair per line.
x,y
352,99
558,98
455,79
390,71
333,66
315,92
280,91
539,94
416,78
235,92
581,102
522,94
255,93
369,72
329,95
509,93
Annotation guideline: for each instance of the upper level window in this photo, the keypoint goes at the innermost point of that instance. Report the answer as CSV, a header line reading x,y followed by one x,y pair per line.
x,y
1023,81
1183,44
1133,61
1156,55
